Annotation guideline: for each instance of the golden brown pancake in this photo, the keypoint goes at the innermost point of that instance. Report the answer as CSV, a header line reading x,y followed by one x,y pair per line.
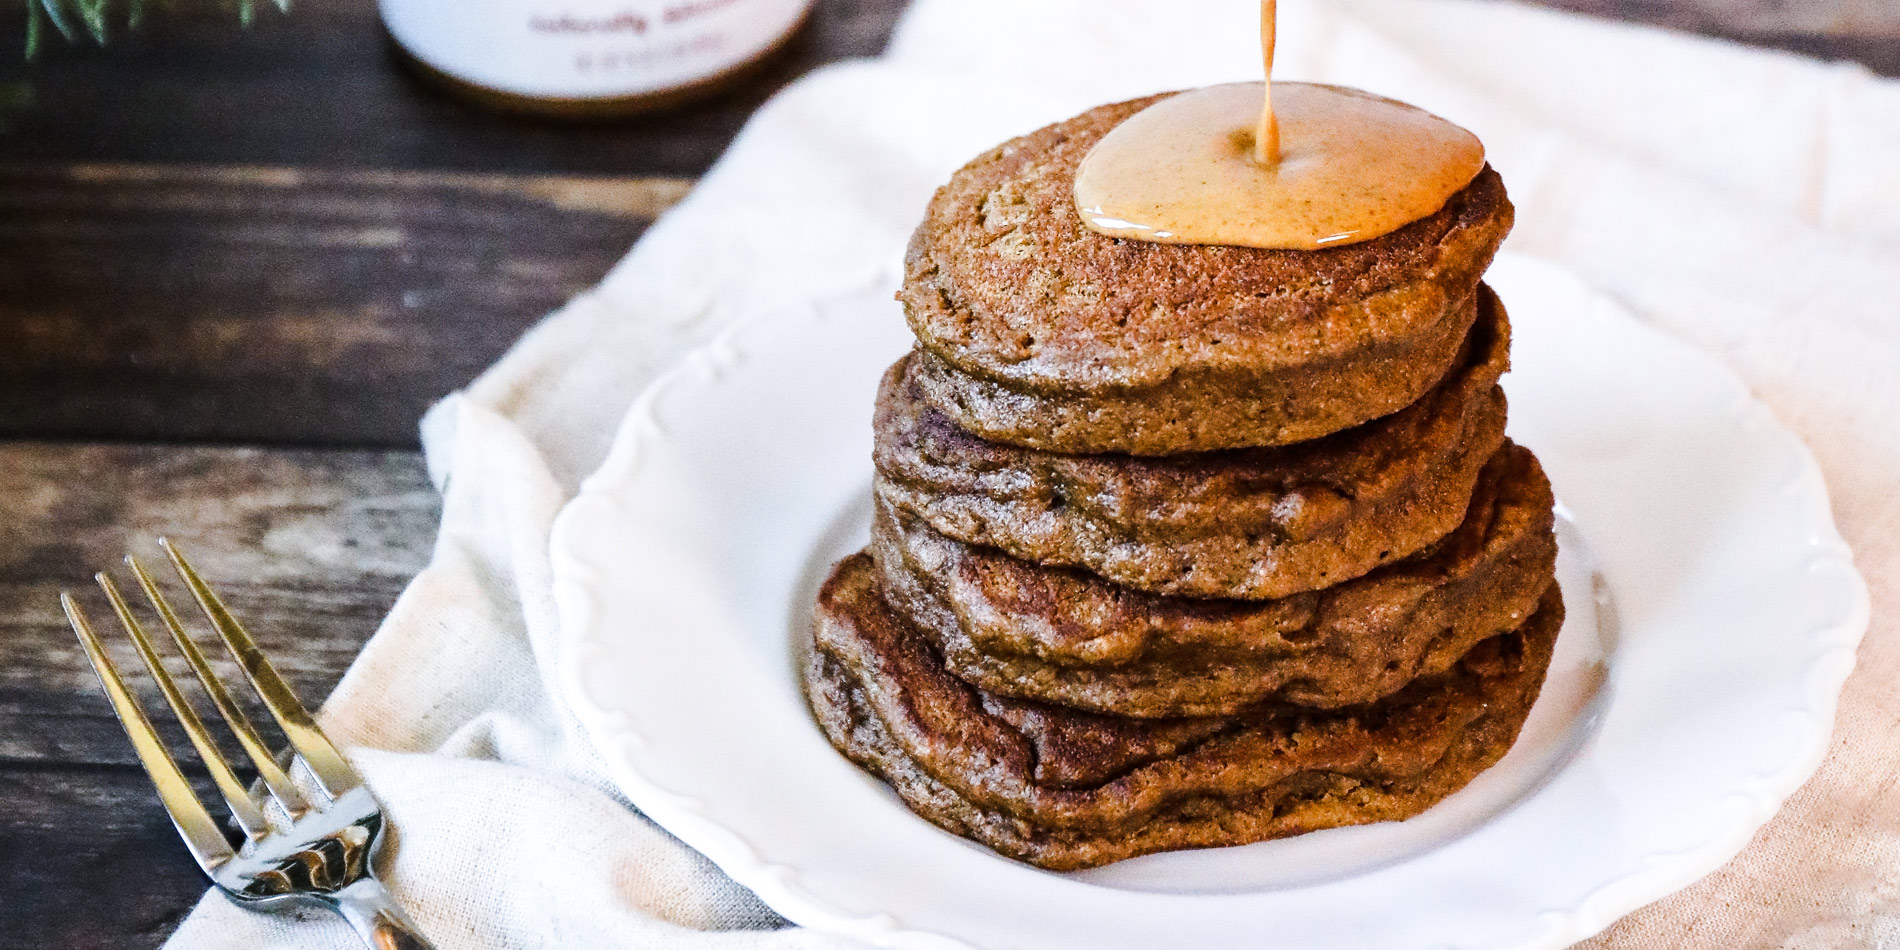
x,y
1241,523
1065,790
1067,637
1038,332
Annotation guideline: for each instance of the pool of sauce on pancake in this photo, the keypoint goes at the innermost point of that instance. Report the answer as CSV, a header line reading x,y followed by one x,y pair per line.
x,y
1285,165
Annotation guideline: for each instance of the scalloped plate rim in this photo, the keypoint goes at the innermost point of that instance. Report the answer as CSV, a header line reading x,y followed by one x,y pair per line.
x,y
777,883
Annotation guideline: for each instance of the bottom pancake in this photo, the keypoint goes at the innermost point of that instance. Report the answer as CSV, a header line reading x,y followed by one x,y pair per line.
x,y
1065,790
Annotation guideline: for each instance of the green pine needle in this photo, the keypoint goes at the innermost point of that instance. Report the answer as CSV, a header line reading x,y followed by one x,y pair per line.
x,y
96,18
93,12
55,13
35,24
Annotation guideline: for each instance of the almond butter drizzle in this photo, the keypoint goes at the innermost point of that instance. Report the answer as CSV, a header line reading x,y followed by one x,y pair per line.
x,y
1295,165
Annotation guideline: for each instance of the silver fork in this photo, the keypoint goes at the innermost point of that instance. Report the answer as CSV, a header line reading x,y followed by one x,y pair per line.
x,y
308,848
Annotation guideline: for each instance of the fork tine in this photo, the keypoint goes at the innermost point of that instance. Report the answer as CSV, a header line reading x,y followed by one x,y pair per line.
x,y
248,815
275,779
332,771
188,815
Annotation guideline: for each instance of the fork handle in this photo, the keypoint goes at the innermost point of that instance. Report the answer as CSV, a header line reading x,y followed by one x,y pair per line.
x,y
377,917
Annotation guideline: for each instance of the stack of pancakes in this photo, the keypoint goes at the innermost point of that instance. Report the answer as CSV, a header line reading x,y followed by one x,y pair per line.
x,y
1181,546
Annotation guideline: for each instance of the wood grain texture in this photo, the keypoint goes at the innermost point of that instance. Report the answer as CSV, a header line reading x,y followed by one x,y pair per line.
x,y
1861,19
274,235
1861,31
282,305
319,88
90,861
309,547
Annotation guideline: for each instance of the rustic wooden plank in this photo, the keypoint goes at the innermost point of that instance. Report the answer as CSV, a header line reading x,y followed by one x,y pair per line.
x,y
310,547
89,861
282,305
1861,31
287,305
318,88
1861,19
1881,54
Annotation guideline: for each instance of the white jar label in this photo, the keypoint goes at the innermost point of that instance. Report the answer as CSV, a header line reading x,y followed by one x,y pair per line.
x,y
587,48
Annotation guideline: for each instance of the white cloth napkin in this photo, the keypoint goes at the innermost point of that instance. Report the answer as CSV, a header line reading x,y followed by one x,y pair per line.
x,y
1745,200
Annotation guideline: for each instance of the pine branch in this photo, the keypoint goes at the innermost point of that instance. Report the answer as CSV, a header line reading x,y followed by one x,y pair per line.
x,y
96,18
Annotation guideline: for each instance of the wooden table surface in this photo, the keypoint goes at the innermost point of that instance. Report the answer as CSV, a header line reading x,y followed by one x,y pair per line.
x,y
235,267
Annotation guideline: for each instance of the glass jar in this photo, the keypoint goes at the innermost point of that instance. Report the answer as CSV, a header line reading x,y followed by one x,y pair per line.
x,y
587,57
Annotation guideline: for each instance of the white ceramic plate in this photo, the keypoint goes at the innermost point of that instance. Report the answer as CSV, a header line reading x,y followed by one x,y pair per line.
x,y
1714,613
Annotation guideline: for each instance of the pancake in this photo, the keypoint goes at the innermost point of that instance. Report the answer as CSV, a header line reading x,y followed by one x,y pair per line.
x,y
1243,523
1068,637
1036,331
1065,790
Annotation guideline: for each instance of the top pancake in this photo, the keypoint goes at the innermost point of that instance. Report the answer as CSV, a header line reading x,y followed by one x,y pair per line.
x,y
1043,333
